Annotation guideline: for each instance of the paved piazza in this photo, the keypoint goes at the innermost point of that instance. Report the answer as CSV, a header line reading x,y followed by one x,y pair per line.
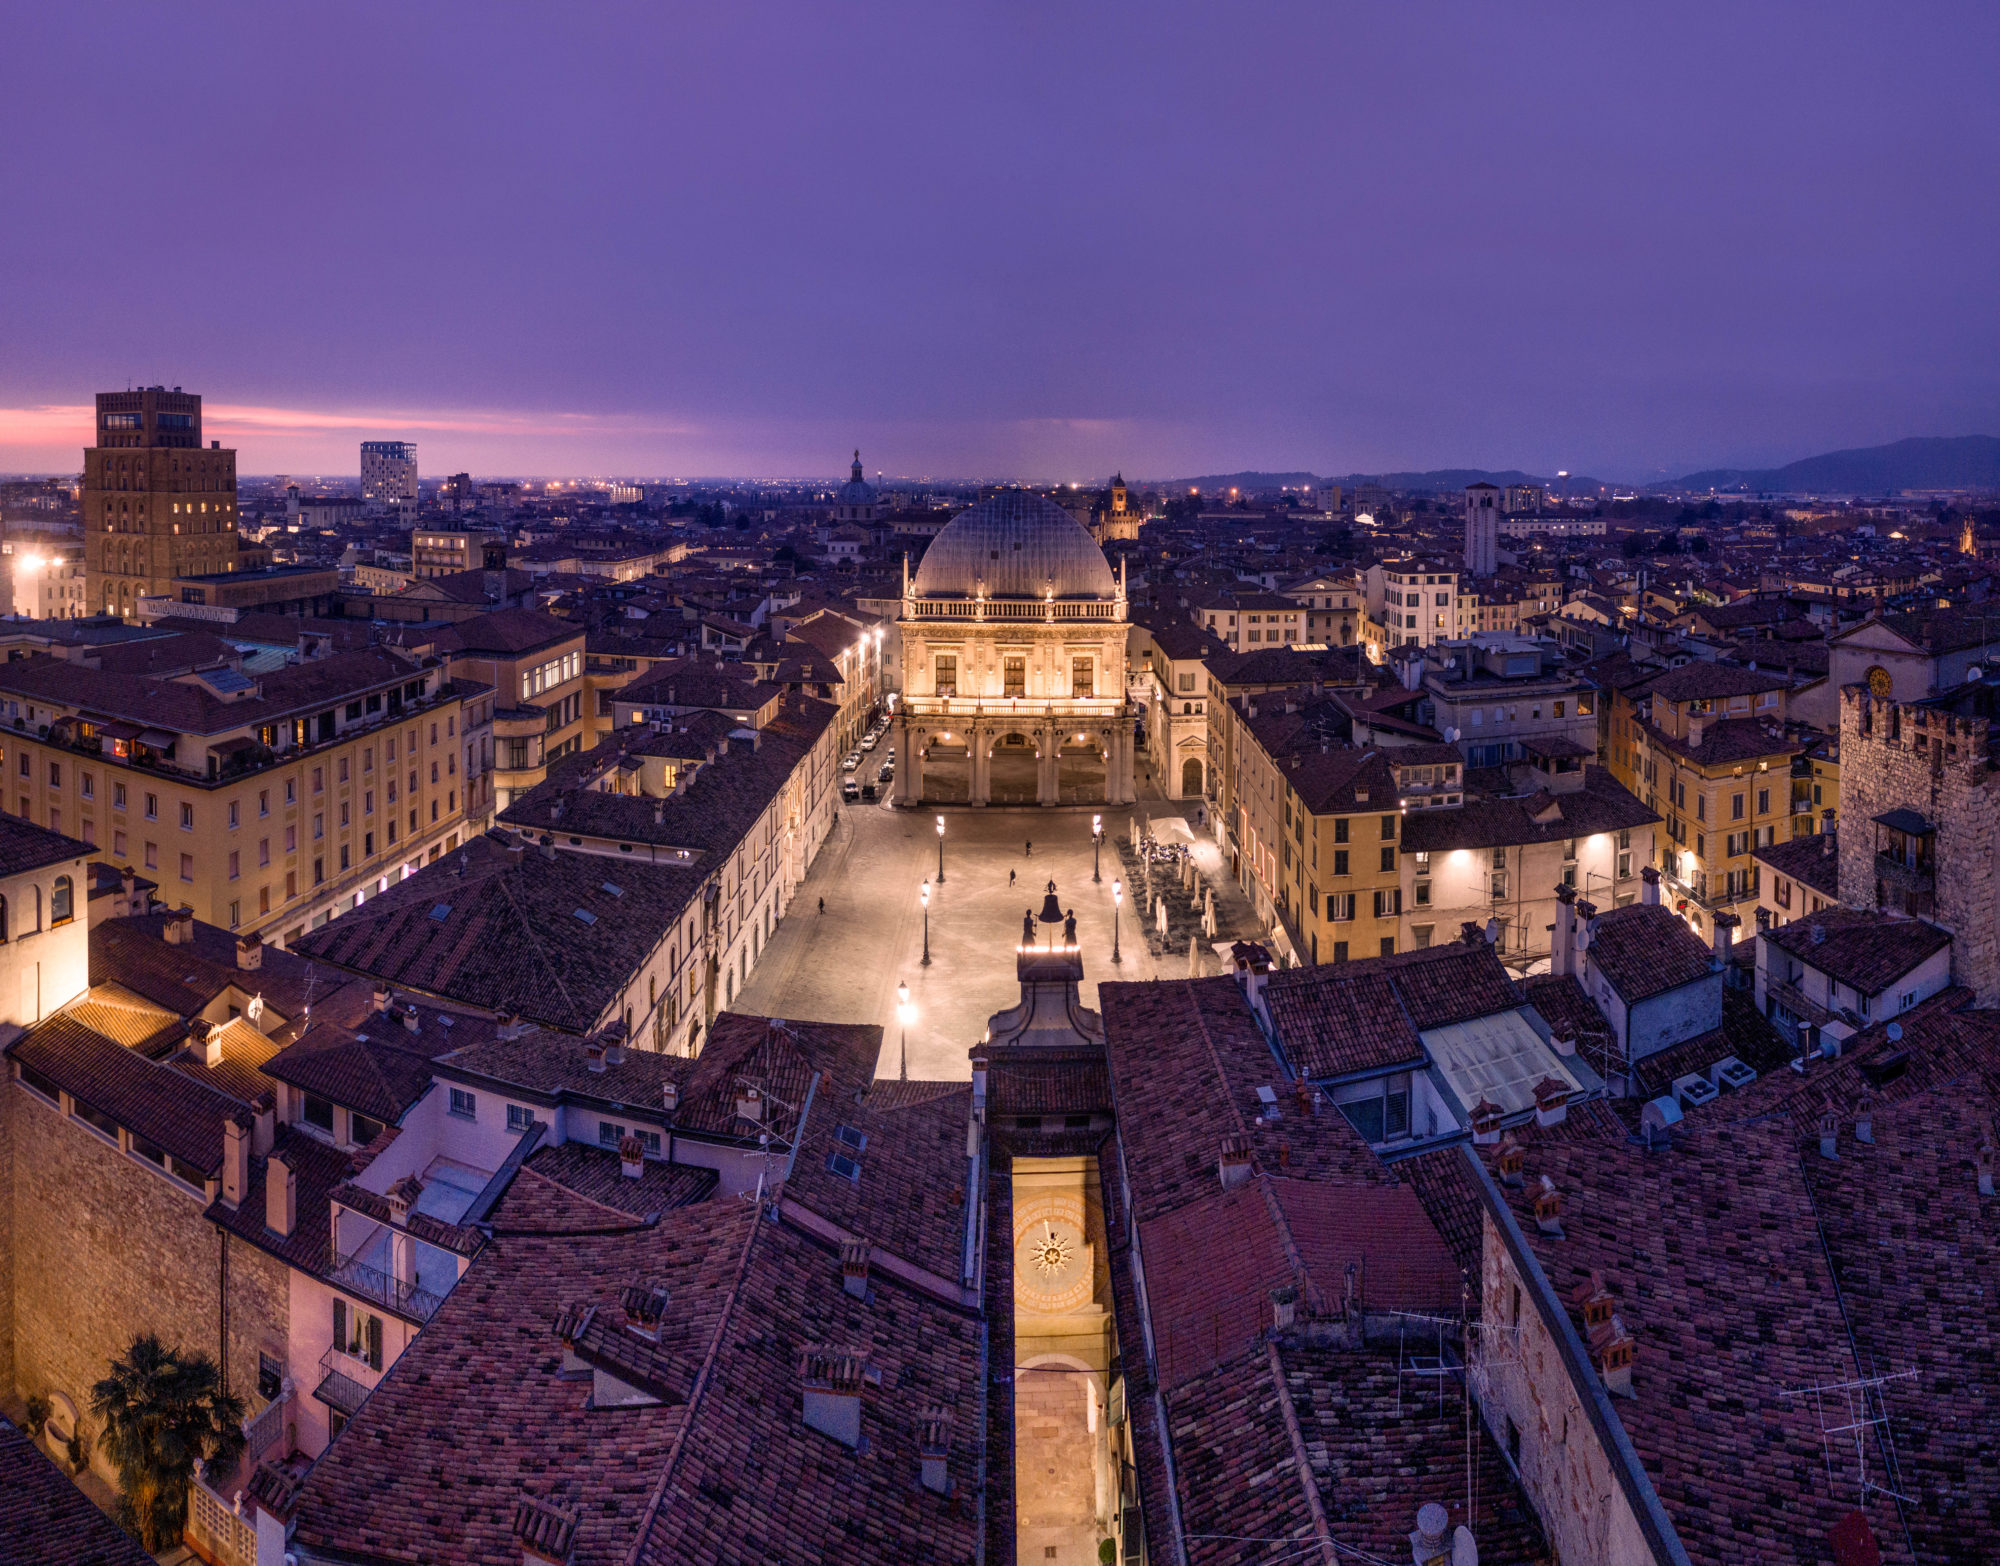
x,y
843,966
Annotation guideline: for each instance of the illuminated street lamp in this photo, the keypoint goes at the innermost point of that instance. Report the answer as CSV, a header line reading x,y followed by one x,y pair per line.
x,y
926,896
905,1015
1117,898
940,822
1096,842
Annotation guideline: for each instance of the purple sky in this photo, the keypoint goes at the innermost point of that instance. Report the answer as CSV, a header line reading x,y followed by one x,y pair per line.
x,y
1038,239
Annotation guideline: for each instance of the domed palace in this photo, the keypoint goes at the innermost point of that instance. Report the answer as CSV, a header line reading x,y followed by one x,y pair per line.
x,y
1013,635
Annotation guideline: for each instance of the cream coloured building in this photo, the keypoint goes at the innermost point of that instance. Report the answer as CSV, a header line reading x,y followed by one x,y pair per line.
x,y
1013,640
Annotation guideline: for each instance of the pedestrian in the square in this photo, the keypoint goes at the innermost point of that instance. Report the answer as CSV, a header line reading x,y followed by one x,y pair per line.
x,y
1010,878
1028,849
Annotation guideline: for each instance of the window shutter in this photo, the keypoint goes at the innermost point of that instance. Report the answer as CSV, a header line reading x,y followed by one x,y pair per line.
x,y
340,1325
375,1342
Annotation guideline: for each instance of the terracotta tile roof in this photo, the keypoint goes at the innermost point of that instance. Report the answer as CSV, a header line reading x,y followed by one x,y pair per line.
x,y
45,1517
1645,950
1703,681
167,1107
1444,1183
1806,861
1918,1257
1027,1082
1714,1259
550,1065
507,633
1727,740
1187,1058
374,1071
563,971
1744,1033
25,846
1601,805
186,979
128,1019
402,1485
1864,950
596,1173
1334,1022
320,1169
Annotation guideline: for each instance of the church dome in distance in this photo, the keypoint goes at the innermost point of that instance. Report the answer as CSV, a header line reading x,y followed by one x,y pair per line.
x,y
857,492
1019,545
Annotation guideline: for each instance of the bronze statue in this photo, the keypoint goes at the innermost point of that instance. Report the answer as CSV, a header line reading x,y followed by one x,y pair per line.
x,y
1069,928
1028,927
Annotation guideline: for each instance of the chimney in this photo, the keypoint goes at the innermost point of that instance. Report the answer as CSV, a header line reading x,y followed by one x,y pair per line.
x,y
1548,1207
1485,1123
1986,1167
1826,833
545,1531
1472,933
1725,928
250,952
1509,1162
1595,1300
1649,887
379,1001
750,1104
1612,1347
1551,1102
631,1157
1563,1040
179,928
645,1306
1429,1545
1864,1120
670,1096
1233,1164
128,892
265,1109
832,1386
593,1054
933,1451
1829,1135
1694,733
1562,949
235,1162
854,1267
516,852
281,1195
411,1022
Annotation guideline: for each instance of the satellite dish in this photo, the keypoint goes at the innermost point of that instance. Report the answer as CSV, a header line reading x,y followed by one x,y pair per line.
x,y
1975,673
1895,1033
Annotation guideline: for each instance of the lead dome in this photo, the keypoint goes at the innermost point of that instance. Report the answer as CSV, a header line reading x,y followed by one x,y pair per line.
x,y
1017,545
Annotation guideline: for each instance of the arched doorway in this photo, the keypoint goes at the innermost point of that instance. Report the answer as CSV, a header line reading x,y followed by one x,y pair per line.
x,y
947,771
1011,775
1191,778
1082,769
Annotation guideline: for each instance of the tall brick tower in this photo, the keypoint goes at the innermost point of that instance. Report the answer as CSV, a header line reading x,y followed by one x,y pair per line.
x,y
156,504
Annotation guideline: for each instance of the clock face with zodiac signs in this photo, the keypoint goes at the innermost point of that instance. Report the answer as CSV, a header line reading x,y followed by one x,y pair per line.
x,y
1052,1261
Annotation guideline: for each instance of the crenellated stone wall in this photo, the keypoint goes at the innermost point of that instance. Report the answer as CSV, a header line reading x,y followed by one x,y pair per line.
x,y
1896,756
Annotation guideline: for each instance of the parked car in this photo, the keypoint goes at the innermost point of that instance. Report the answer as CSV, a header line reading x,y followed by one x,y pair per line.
x,y
852,760
868,791
885,772
869,741
850,791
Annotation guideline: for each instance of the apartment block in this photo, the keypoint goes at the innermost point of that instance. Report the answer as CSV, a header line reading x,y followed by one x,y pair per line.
x,y
156,504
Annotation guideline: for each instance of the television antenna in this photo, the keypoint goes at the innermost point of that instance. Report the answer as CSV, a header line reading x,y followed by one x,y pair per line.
x,y
1857,1409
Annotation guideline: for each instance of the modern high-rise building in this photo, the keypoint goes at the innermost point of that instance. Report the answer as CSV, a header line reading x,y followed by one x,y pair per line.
x,y
156,503
388,474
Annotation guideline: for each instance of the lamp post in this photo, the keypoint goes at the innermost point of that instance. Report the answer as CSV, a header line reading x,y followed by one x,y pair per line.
x,y
925,894
940,822
1117,898
905,1013
1096,842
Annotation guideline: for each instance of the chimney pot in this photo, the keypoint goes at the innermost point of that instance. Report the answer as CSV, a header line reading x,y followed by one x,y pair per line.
x,y
854,1268
411,1022
250,952
235,1163
631,1157
1428,1545
1485,1123
934,1452
1234,1162
670,1096
281,1195
1548,1207
1509,1161
1829,1135
832,1386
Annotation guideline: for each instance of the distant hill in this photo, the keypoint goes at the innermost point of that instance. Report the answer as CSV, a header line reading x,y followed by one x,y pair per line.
x,y
1923,462
1434,480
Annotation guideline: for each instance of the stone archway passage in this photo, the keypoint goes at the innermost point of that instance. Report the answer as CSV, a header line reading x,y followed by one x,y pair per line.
x,y
1012,778
1082,772
1191,778
947,774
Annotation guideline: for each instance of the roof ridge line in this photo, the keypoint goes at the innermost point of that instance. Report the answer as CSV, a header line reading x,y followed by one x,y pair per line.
x,y
1215,1056
1328,1550
696,1392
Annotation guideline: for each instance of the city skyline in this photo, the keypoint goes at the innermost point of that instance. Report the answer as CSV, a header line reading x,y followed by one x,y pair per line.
x,y
1349,243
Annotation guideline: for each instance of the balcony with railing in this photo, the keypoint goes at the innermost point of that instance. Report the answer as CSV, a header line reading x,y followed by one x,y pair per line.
x,y
345,1381
406,1296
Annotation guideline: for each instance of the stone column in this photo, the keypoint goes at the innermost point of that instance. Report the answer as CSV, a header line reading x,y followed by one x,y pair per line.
x,y
1048,767
909,766
979,778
